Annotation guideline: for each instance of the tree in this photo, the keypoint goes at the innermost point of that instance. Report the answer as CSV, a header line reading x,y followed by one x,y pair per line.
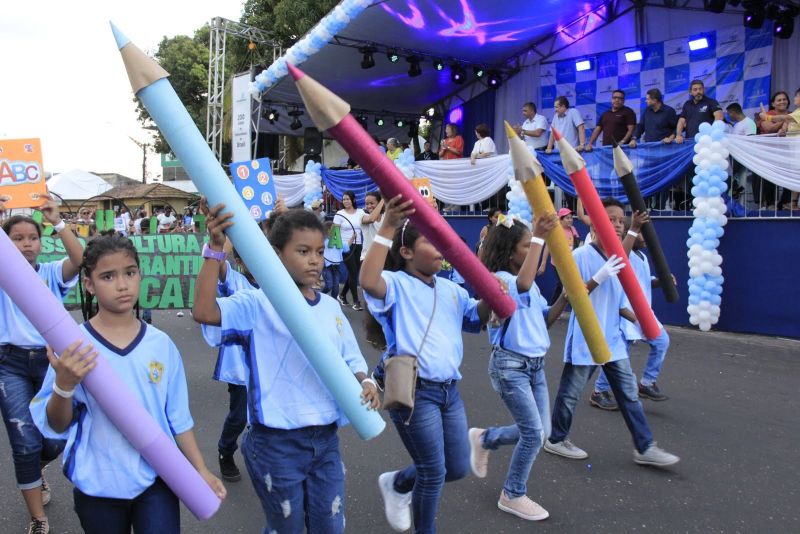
x,y
288,20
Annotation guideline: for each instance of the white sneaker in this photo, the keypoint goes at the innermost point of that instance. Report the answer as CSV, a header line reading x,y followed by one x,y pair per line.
x,y
522,507
566,449
396,505
478,456
655,456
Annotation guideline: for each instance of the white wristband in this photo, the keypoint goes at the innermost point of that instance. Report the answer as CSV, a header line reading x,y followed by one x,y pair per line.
x,y
63,393
632,233
537,241
60,226
380,240
369,380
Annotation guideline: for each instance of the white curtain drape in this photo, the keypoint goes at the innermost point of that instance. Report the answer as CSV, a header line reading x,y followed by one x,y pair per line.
x,y
291,186
776,159
458,182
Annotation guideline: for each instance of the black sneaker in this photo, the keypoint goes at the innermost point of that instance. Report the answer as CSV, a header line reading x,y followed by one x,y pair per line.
x,y
228,469
651,392
342,301
603,400
357,306
38,526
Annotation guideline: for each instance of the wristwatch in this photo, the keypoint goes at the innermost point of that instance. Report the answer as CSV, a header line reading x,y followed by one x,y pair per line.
x,y
211,254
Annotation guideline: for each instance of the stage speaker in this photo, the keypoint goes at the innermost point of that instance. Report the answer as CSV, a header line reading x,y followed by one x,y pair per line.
x,y
313,141
267,146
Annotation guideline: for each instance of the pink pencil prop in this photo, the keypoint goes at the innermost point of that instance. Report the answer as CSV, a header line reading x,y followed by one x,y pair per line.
x,y
53,322
329,112
576,168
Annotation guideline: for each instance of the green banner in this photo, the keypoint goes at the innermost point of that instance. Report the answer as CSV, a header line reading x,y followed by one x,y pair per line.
x,y
169,266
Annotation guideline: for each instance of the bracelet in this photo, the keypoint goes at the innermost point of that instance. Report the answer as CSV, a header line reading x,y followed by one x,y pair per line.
x,y
632,233
537,240
64,394
380,240
60,226
369,380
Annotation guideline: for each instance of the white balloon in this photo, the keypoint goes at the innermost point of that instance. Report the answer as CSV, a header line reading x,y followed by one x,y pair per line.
x,y
694,320
705,326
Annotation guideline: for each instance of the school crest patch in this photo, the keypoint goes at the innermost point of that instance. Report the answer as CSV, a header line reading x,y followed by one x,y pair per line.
x,y
155,371
339,325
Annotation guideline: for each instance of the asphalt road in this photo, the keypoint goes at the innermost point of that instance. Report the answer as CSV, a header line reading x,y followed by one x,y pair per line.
x,y
732,418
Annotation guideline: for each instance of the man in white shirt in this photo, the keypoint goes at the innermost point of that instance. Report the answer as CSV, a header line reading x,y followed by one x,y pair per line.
x,y
533,130
166,221
742,125
569,123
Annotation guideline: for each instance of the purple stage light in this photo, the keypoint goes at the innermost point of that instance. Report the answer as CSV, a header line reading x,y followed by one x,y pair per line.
x,y
415,19
456,115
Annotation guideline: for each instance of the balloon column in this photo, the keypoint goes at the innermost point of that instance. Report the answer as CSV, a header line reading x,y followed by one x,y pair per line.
x,y
518,205
705,271
330,25
312,183
405,162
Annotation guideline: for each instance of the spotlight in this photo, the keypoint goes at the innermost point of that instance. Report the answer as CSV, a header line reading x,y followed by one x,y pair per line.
x,y
393,56
457,74
296,124
399,123
438,64
582,65
494,79
270,114
716,6
754,16
362,118
784,27
431,112
367,62
480,72
698,44
379,121
633,55
414,68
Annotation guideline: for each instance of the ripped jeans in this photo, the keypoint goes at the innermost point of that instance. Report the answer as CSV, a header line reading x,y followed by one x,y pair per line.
x,y
298,476
21,374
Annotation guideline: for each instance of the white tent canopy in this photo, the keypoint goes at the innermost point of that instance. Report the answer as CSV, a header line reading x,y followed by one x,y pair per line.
x,y
77,185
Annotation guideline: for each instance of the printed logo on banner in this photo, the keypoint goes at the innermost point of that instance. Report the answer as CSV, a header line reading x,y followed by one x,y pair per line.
x,y
585,92
729,93
653,57
756,91
652,79
757,63
729,68
759,38
676,79
548,97
605,87
255,186
565,72
730,41
547,74
625,67
704,71
630,85
568,91
607,65
676,52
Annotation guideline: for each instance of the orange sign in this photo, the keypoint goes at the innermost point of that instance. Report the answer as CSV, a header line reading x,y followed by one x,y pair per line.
x,y
22,173
423,185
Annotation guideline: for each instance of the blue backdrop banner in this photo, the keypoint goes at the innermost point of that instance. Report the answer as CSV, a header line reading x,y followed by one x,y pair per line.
x,y
657,166
356,181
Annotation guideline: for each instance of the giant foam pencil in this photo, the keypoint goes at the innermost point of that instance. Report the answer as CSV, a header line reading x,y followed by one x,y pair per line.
x,y
329,112
56,326
624,169
151,86
576,168
529,172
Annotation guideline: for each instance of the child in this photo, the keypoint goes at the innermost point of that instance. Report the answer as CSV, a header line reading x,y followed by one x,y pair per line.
x,y
648,389
516,366
422,315
608,301
291,449
115,488
24,359
333,260
565,218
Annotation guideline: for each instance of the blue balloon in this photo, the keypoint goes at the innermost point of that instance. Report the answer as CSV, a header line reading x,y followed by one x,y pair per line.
x,y
705,128
708,244
693,299
716,300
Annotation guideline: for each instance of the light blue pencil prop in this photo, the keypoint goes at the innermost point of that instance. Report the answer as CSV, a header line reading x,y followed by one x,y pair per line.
x,y
150,84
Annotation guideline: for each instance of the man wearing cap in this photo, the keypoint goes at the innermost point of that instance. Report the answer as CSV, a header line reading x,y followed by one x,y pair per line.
x,y
316,209
573,240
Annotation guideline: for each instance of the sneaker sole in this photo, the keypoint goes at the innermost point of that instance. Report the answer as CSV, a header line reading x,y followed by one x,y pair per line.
x,y
656,464
519,514
606,408
656,399
383,490
473,467
561,454
232,478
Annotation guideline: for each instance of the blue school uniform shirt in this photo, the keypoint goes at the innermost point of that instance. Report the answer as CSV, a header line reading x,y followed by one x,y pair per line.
x,y
15,329
230,360
333,256
607,299
283,389
641,267
98,459
404,314
525,332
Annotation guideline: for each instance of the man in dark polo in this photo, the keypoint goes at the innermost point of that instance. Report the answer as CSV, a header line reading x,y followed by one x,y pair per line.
x,y
616,124
697,110
658,121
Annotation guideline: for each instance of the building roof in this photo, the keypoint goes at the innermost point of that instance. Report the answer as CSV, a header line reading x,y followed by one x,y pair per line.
x,y
147,191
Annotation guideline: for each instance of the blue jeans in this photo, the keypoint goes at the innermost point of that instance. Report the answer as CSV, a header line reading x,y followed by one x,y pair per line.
x,y
658,351
623,384
235,421
21,374
331,276
154,511
298,476
436,439
521,383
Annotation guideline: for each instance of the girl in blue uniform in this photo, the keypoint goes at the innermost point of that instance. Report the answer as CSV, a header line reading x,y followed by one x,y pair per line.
x,y
115,488
23,359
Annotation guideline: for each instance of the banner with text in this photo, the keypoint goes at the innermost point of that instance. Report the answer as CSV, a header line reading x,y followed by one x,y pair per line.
x,y
22,173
